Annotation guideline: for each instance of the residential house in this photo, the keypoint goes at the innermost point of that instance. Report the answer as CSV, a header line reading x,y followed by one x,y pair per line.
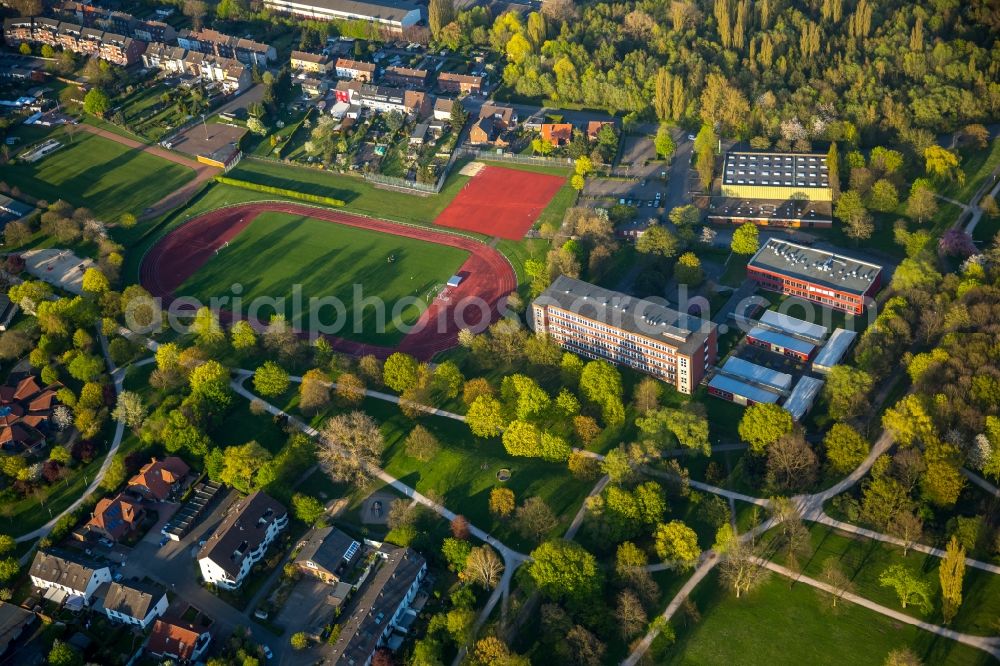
x,y
135,603
506,115
442,108
419,134
241,540
213,42
393,16
383,98
25,412
327,554
314,87
354,70
417,103
67,575
114,518
178,640
13,620
386,596
114,47
90,15
460,83
557,134
315,63
488,131
405,77
159,479
594,128
7,312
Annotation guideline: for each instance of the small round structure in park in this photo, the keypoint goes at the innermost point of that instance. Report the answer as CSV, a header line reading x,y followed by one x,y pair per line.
x,y
503,474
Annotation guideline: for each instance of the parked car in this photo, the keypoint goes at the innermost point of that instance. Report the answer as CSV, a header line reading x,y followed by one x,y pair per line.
x,y
106,542
260,614
163,541
118,577
690,137
267,652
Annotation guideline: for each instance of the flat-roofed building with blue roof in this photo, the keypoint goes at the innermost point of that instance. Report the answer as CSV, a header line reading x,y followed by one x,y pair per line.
x,y
740,392
780,343
803,396
747,383
815,333
833,352
752,373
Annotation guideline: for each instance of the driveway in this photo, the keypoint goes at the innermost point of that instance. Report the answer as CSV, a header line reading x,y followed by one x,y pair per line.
x,y
308,606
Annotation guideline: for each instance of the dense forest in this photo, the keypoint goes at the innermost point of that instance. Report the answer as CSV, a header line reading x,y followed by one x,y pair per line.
x,y
824,69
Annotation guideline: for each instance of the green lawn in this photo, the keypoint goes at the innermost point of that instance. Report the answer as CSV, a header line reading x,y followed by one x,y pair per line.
x,y
780,623
100,174
277,251
360,196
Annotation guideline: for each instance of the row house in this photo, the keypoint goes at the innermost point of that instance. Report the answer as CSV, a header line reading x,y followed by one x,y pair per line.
x,y
407,77
91,16
212,42
241,540
114,47
231,75
459,83
384,98
314,63
354,70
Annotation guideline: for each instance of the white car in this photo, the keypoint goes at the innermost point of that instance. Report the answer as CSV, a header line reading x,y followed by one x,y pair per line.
x,y
267,652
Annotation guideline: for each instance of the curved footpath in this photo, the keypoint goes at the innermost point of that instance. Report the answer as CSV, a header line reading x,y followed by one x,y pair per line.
x,y
489,275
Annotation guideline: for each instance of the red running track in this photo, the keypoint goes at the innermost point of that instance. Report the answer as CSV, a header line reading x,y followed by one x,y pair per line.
x,y
489,276
501,202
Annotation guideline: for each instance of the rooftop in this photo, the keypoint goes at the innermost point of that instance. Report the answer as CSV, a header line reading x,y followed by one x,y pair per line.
x,y
778,339
134,599
392,10
329,548
793,326
834,349
806,170
636,315
803,396
746,371
381,597
305,56
173,637
820,267
70,570
771,210
242,531
722,382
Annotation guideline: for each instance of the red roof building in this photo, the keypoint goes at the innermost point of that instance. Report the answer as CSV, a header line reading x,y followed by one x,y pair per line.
x,y
159,478
114,518
25,409
558,134
177,640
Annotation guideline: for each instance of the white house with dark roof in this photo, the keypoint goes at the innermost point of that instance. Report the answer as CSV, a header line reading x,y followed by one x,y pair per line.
x,y
241,540
69,575
135,603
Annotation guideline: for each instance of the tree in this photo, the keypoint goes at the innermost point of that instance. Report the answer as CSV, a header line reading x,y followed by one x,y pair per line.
x,y
942,164
534,519
834,576
664,143
94,281
906,526
763,424
502,502
9,568
130,410
421,444
909,421
400,372
307,508
647,395
484,567
196,11
211,381
14,343
884,196
456,552
299,640
745,239
631,616
687,426
951,572
657,241
63,654
564,571
851,210
270,380
460,527
601,383
314,391
845,447
485,416
677,544
791,463
740,569
350,447
908,587
242,337
247,467
922,203
846,390
350,388
687,270
85,367
96,102
902,657
439,14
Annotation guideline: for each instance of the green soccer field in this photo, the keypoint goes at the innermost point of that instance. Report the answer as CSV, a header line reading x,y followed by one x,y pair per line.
x,y
102,175
278,251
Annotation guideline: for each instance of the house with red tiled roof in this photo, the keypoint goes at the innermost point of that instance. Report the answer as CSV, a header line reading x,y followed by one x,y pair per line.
x,y
158,479
114,518
25,410
557,134
594,127
180,641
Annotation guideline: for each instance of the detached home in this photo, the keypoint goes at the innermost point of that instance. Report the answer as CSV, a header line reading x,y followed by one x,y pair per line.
x,y
159,479
135,603
67,575
180,641
327,554
241,540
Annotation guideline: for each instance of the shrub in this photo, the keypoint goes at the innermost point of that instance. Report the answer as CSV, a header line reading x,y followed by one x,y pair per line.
x,y
269,189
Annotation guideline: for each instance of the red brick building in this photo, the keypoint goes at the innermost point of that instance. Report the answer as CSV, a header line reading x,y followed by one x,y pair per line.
x,y
832,280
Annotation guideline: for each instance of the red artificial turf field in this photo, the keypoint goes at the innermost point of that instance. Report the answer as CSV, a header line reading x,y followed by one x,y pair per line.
x,y
501,202
474,304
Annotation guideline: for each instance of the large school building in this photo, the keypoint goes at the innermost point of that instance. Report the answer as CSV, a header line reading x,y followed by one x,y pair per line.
x,y
602,324
833,280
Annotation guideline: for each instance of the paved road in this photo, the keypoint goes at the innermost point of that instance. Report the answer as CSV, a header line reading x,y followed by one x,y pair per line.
x,y
179,197
987,644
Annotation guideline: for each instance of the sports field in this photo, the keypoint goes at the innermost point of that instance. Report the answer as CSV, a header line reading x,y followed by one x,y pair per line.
x,y
501,202
102,175
279,250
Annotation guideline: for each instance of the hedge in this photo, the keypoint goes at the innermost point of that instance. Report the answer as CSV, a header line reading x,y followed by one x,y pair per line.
x,y
280,191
